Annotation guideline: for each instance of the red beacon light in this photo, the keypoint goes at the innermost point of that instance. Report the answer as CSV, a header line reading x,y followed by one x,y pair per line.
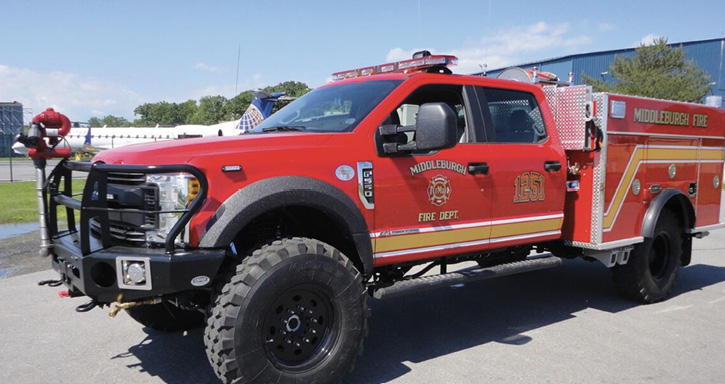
x,y
422,61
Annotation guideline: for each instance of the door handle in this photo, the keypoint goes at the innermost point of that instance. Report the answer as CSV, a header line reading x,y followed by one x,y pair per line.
x,y
478,168
552,166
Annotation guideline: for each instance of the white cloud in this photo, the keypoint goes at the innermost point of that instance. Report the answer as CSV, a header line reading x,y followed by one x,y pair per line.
x,y
648,40
509,47
207,68
606,27
75,96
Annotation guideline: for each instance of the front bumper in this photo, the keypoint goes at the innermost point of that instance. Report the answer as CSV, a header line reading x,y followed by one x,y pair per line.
x,y
96,275
106,256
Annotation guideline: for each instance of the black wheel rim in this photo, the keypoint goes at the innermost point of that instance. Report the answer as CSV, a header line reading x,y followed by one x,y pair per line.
x,y
660,256
299,330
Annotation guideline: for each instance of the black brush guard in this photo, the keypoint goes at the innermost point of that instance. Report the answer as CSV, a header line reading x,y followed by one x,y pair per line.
x,y
87,263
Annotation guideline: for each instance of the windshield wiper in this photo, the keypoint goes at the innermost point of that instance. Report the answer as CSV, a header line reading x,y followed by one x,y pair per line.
x,y
284,128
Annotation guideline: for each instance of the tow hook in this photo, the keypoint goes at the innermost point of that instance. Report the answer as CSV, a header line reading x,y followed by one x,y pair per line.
x,y
86,307
120,306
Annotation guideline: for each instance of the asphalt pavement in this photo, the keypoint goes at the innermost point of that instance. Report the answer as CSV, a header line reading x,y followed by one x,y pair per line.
x,y
563,325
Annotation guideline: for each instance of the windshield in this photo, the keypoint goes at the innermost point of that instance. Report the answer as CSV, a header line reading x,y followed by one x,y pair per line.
x,y
337,108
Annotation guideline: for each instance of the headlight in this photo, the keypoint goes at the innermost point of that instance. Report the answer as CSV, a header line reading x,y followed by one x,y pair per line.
x,y
176,192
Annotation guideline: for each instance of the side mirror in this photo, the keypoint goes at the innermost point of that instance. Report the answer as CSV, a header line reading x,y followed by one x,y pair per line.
x,y
435,128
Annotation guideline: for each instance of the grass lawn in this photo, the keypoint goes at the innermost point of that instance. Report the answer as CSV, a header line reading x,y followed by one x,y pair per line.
x,y
19,204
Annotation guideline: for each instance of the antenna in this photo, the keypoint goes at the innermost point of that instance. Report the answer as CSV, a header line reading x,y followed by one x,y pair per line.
x,y
236,83
418,42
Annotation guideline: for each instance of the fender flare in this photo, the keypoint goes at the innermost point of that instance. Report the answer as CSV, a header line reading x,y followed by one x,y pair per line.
x,y
269,194
686,211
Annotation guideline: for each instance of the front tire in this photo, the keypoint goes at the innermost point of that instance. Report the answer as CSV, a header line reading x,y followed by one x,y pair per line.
x,y
652,269
294,311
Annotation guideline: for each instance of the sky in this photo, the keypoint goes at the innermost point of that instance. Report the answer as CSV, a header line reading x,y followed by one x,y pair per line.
x,y
97,58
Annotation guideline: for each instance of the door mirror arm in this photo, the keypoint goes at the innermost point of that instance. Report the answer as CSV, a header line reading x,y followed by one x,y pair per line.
x,y
435,129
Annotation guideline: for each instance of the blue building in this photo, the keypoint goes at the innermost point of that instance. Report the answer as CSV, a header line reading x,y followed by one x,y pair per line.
x,y
11,123
707,54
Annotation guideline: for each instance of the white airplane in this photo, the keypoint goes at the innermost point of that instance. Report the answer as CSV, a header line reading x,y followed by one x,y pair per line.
x,y
90,141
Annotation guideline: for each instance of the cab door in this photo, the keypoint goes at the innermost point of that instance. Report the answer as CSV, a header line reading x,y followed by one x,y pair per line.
x,y
430,205
527,168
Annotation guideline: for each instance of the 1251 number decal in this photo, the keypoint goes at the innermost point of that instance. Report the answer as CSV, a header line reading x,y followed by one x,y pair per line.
x,y
528,187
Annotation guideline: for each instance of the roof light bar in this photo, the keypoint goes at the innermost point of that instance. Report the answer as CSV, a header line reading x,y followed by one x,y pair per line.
x,y
418,64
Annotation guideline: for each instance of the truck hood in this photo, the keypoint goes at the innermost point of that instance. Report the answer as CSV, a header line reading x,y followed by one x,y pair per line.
x,y
181,151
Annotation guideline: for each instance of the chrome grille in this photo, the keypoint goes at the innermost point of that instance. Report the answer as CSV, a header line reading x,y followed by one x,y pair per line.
x,y
126,178
122,233
129,228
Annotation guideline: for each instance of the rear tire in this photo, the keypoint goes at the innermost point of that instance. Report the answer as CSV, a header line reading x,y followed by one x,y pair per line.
x,y
295,311
652,269
166,317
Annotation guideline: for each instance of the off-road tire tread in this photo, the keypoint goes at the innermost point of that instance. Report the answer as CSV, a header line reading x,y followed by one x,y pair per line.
x,y
630,280
225,305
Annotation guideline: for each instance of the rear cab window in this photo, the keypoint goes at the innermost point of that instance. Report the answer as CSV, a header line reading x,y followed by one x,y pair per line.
x,y
511,116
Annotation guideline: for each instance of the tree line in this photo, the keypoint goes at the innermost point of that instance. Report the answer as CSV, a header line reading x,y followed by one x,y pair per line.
x,y
207,111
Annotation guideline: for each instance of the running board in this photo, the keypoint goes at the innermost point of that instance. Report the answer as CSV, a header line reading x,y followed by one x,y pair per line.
x,y
468,275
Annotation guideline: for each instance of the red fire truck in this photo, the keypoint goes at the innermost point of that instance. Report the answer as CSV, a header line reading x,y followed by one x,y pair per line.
x,y
375,184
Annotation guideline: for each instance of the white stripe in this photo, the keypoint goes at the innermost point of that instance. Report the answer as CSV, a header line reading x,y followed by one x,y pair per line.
x,y
464,244
532,218
679,161
709,227
664,135
430,249
699,147
528,236
412,231
481,224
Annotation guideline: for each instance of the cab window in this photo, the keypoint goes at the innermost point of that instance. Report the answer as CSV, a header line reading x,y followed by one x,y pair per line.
x,y
511,116
407,112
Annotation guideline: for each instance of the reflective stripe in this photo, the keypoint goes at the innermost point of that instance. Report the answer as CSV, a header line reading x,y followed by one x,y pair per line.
x,y
656,154
465,244
416,240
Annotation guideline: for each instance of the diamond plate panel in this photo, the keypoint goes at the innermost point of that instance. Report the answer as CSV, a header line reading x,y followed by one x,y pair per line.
x,y
600,171
570,119
550,94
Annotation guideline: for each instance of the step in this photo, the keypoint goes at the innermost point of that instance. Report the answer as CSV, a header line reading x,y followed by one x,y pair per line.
x,y
468,275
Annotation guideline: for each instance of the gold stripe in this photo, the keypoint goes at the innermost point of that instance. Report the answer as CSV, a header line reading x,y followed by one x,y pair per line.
x,y
656,154
621,192
420,240
505,230
674,154
712,154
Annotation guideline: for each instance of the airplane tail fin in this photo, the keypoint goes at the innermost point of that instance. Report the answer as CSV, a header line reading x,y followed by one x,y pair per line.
x,y
88,137
258,110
